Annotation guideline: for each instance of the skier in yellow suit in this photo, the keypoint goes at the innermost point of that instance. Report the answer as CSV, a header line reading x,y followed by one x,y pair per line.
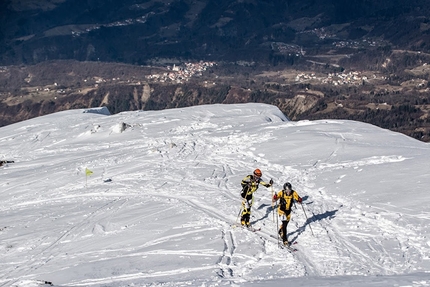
x,y
250,185
286,198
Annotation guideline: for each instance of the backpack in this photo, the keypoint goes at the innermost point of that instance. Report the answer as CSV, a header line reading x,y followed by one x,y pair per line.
x,y
246,188
282,203
244,191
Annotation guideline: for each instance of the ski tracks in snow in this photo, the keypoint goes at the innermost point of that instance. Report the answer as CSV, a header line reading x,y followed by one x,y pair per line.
x,y
362,247
45,249
226,260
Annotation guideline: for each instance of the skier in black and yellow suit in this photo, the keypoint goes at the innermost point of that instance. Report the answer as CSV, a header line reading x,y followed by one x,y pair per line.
x,y
286,197
249,186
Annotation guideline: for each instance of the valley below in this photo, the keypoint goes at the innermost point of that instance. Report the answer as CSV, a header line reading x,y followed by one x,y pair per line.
x,y
394,97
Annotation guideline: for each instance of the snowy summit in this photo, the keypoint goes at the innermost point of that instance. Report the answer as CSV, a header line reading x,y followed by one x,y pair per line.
x,y
151,198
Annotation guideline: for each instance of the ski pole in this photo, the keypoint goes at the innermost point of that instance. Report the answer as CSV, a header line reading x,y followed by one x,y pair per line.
x,y
273,193
277,224
240,211
307,219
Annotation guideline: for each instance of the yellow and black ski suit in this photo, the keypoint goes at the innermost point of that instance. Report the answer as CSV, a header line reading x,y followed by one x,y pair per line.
x,y
249,185
286,199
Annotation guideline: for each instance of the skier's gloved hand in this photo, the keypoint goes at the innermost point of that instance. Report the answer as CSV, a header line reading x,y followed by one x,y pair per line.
x,y
300,200
271,181
275,198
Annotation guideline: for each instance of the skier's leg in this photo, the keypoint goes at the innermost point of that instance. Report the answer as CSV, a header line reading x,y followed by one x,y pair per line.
x,y
284,231
248,205
244,216
284,224
247,218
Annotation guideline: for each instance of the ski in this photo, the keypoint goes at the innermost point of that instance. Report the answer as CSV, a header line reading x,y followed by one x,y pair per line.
x,y
291,243
288,247
250,228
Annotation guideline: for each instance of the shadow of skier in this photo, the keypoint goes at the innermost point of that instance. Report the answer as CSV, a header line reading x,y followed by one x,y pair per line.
x,y
316,217
269,210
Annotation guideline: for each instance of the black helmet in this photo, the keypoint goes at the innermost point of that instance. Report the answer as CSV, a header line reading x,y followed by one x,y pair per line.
x,y
287,186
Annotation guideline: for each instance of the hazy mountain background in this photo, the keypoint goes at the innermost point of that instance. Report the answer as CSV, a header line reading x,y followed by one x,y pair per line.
x,y
137,31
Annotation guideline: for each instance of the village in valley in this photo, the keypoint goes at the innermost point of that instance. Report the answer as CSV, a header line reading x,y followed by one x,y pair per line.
x,y
180,74
335,79
183,73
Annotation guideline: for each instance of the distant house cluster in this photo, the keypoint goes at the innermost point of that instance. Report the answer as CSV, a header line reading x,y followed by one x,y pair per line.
x,y
365,43
350,78
335,79
77,30
288,48
180,74
320,33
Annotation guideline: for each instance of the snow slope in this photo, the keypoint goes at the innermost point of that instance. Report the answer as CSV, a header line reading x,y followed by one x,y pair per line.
x,y
158,208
